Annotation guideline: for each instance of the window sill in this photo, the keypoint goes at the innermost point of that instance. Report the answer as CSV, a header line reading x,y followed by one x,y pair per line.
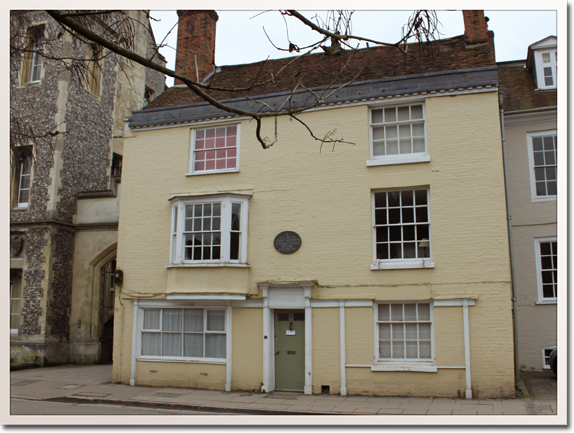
x,y
392,160
427,368
544,198
549,302
19,209
199,173
402,264
188,360
210,265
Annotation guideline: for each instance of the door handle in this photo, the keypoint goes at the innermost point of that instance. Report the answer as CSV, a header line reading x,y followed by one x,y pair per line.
x,y
276,353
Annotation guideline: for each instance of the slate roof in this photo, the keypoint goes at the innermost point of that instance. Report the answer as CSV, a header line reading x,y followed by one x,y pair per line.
x,y
318,69
520,88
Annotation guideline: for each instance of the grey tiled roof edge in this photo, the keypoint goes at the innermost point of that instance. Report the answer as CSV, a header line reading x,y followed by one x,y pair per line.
x,y
413,84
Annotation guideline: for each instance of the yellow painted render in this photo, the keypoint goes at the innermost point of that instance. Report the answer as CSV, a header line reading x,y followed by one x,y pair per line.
x,y
247,372
327,350
180,375
325,196
208,280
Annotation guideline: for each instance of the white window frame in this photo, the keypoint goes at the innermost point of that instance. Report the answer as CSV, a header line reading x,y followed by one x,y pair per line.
x,y
141,331
404,364
545,357
541,298
376,160
177,257
193,172
21,176
381,264
529,137
540,81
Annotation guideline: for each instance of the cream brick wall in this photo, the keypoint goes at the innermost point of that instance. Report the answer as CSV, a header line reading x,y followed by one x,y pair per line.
x,y
326,198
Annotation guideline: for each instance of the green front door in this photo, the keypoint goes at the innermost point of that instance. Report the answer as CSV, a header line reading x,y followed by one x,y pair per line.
x,y
289,350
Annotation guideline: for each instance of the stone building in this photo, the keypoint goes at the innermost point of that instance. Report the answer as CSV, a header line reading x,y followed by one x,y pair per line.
x,y
64,198
529,102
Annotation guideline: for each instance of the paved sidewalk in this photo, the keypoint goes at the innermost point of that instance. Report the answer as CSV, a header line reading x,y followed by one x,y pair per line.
x,y
92,384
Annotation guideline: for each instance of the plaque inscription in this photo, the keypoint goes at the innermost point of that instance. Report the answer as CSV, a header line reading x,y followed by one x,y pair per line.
x,y
287,242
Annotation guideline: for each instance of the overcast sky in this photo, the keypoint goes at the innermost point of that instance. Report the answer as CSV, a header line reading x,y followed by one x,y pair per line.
x,y
241,38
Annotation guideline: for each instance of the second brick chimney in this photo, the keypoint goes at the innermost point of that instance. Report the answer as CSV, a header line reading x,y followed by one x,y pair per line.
x,y
195,56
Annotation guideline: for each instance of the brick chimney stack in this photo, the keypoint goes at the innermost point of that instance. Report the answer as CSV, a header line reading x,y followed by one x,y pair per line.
x,y
475,27
476,30
195,57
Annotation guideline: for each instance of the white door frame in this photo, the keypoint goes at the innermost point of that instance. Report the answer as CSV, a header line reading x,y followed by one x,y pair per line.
x,y
283,296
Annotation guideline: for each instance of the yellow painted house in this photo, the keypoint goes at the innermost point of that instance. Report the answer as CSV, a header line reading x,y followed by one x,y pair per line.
x,y
378,266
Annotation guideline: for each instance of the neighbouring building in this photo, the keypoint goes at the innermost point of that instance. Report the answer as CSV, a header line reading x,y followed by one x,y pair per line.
x,y
529,102
379,267
65,199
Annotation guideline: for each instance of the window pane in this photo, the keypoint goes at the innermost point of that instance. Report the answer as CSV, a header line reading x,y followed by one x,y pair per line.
x,y
382,234
538,158
380,216
14,319
424,350
549,157
395,233
380,199
384,349
171,344
397,312
411,312
193,320
411,331
171,320
394,216
15,306
409,250
234,246
539,173
424,331
398,349
382,251
377,116
384,331
404,131
390,115
412,349
540,188
551,188
422,214
537,143
408,215
151,319
193,345
215,345
384,312
548,291
394,198
409,233
424,311
378,133
378,148
545,248
403,113
416,112
391,132
405,146
392,147
406,198
422,232
235,216
420,197
215,320
550,173
151,344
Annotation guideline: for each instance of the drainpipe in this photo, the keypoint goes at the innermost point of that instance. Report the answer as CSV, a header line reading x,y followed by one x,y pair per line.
x,y
511,246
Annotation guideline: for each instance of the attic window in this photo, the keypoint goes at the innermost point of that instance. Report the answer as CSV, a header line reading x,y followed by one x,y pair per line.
x,y
546,69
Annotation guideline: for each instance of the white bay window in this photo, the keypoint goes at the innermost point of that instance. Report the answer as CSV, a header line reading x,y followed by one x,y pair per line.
x,y
209,230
